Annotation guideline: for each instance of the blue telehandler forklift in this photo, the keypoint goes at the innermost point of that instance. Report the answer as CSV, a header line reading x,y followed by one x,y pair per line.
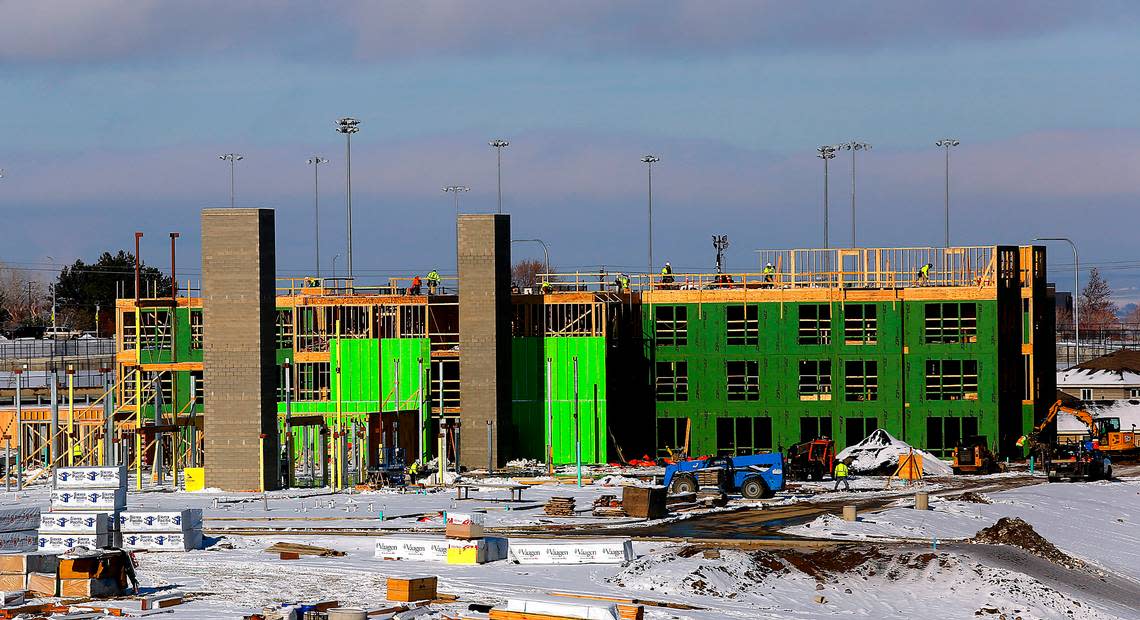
x,y
756,476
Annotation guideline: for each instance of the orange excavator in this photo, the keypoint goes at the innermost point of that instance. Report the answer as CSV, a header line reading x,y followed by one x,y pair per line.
x,y
1106,432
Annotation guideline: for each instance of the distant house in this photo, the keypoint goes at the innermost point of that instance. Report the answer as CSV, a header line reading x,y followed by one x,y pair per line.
x,y
1111,377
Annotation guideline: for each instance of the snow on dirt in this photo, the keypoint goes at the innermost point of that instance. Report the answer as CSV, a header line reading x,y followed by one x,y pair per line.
x,y
879,452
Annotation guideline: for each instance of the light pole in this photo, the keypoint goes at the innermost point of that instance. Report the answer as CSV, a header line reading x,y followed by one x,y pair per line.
x,y
1076,291
53,335
233,158
826,153
545,251
854,146
499,145
649,160
334,265
456,190
348,126
316,161
947,144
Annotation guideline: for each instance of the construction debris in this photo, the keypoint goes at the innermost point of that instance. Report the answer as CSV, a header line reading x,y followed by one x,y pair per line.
x,y
608,506
285,547
559,507
645,502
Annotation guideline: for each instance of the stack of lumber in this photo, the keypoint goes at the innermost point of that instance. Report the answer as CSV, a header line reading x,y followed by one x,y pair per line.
x,y
410,589
15,569
559,507
645,502
711,483
299,549
710,477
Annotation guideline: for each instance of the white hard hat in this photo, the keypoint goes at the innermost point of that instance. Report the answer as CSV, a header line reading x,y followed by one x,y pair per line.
x,y
768,265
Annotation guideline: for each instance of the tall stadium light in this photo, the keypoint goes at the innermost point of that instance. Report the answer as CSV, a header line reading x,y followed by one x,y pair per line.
x,y
947,144
826,153
233,158
456,190
316,161
348,126
499,146
1076,291
854,146
649,160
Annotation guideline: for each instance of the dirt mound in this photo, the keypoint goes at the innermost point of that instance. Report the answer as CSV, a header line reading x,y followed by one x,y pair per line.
x,y
829,562
970,496
1017,533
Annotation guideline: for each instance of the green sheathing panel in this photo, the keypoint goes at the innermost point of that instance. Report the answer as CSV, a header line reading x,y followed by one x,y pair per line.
x,y
409,352
591,354
528,399
358,381
899,351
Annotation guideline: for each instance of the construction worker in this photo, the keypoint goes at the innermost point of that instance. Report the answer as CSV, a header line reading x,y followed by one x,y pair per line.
x,y
546,288
414,471
77,451
417,285
924,273
433,281
622,283
667,273
840,475
769,275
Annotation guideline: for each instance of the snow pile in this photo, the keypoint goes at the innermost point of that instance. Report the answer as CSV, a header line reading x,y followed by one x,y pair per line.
x,y
879,452
615,480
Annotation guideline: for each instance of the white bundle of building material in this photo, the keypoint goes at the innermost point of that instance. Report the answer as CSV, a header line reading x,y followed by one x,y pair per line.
x,y
92,500
161,520
92,523
562,608
571,551
163,541
91,478
162,530
879,453
476,550
60,543
428,548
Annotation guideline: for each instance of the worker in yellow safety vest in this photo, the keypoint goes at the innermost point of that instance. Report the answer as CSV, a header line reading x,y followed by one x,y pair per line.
x,y
841,473
924,273
76,452
433,281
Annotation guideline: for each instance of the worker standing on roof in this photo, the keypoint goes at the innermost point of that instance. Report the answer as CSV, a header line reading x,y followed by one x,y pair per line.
x,y
417,285
841,473
546,288
667,274
622,283
769,275
924,273
433,282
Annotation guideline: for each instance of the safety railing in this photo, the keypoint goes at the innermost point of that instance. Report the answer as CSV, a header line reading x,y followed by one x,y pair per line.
x,y
340,287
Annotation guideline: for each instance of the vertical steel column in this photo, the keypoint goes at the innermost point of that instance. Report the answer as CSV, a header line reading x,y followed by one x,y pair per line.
x,y
53,443
19,430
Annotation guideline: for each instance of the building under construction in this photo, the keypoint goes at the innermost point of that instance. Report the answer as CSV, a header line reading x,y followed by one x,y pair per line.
x,y
830,342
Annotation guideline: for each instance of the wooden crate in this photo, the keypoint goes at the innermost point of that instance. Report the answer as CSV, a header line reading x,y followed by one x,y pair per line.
x,y
631,612
644,502
13,583
408,589
104,567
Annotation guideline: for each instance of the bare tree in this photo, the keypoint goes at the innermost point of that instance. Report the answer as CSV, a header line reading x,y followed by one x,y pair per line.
x,y
21,296
526,273
1098,311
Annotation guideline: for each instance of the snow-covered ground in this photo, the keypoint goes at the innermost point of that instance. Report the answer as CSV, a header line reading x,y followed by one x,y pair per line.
x,y
869,576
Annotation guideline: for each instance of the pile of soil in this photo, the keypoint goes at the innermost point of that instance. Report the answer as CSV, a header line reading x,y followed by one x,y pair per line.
x,y
1017,533
970,496
829,562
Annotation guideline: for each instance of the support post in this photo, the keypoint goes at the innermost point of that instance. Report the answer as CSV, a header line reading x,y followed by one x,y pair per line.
x,y
549,420
108,421
289,468
19,430
420,400
577,425
71,416
53,440
338,452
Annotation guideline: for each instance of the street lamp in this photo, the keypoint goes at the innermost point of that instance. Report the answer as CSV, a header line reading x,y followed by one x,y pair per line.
x,y
545,250
456,189
316,161
1076,291
826,153
233,158
348,126
53,296
334,265
854,146
948,143
499,145
649,160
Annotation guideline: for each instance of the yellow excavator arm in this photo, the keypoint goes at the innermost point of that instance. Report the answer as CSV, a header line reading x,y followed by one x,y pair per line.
x,y
1085,418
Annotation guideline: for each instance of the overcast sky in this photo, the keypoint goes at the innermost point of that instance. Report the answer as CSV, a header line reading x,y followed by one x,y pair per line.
x,y
113,114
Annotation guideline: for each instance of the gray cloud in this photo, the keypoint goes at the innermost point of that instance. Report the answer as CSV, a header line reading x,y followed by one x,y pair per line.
x,y
142,30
